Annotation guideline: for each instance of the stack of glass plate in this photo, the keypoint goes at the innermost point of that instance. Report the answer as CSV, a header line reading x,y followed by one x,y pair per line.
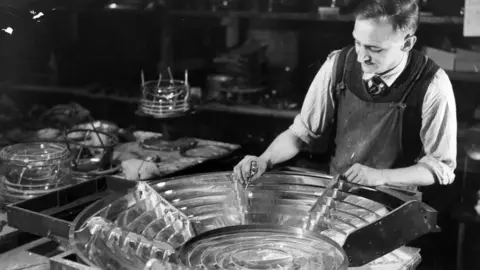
x,y
262,247
33,169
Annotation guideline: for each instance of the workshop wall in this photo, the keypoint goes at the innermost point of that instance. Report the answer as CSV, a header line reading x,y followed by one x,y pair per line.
x,y
107,50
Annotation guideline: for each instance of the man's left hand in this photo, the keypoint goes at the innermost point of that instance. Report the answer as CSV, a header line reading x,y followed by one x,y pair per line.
x,y
364,175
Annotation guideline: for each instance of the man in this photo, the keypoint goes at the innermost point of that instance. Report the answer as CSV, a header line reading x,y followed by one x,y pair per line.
x,y
392,108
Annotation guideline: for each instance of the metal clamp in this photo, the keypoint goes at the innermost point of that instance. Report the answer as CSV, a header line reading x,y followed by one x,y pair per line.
x,y
321,209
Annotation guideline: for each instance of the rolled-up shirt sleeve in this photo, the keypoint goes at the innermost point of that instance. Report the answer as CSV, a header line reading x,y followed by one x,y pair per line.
x,y
439,129
318,107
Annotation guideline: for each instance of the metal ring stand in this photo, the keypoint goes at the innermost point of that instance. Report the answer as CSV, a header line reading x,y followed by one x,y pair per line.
x,y
165,100
96,165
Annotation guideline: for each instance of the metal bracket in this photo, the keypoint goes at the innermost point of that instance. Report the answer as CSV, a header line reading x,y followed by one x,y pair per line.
x,y
412,220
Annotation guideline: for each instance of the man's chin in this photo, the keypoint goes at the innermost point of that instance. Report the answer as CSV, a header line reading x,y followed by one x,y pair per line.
x,y
368,69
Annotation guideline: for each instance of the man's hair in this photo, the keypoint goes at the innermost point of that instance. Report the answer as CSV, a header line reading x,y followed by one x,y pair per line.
x,y
403,14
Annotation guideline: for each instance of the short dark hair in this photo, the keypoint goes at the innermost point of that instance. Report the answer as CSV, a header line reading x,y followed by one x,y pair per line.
x,y
403,14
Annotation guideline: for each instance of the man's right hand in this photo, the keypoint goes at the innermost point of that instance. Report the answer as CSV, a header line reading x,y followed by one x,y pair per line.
x,y
246,171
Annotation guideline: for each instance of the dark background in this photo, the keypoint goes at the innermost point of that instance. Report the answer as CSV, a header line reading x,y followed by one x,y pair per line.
x,y
87,47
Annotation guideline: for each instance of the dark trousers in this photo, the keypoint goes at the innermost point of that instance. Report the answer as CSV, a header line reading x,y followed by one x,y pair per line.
x,y
438,250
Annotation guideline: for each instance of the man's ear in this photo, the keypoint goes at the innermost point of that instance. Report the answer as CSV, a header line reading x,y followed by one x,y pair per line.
x,y
409,43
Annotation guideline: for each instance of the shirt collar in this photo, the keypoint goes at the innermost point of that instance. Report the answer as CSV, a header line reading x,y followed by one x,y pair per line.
x,y
389,77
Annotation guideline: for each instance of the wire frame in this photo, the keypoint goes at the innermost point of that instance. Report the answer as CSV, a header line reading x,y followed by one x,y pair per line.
x,y
92,150
33,169
164,99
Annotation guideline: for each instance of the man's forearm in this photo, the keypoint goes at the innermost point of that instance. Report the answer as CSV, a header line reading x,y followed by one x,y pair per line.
x,y
283,148
416,175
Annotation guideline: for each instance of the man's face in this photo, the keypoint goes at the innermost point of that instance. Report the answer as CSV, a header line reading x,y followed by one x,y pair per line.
x,y
379,47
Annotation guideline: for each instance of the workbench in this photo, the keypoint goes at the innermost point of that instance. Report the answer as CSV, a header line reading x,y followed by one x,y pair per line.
x,y
43,254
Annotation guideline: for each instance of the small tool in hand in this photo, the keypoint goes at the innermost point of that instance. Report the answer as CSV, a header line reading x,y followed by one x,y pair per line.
x,y
241,195
241,199
252,173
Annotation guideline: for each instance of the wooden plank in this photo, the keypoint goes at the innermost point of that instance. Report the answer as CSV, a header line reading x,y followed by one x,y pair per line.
x,y
217,107
322,16
252,110
464,76
265,15
76,91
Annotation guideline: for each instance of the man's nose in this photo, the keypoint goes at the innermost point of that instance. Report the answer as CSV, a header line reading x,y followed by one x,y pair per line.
x,y
362,55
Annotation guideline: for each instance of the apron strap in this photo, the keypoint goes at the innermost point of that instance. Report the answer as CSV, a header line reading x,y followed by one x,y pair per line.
x,y
340,71
337,88
402,102
401,107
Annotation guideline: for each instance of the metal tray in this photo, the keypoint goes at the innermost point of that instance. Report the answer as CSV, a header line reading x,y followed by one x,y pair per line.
x,y
51,215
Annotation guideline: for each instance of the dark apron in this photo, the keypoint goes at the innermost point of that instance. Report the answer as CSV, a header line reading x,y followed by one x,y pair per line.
x,y
368,133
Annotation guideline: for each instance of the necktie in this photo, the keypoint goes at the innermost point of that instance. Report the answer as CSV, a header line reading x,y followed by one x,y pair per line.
x,y
378,86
